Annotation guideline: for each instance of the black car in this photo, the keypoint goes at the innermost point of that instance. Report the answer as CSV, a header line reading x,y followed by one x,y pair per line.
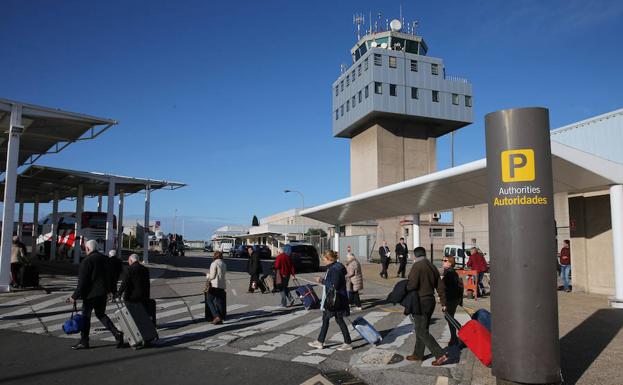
x,y
304,256
241,251
208,247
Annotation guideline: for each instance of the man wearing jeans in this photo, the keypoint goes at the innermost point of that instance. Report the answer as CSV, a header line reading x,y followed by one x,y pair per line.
x,y
565,265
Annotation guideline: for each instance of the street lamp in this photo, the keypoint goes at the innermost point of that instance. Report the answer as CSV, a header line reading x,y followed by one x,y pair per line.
x,y
302,205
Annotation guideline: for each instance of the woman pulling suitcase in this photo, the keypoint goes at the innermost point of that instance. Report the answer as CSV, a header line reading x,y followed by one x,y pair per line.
x,y
334,301
216,296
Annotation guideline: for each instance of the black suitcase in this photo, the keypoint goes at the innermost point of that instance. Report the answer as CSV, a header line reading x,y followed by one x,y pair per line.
x,y
28,276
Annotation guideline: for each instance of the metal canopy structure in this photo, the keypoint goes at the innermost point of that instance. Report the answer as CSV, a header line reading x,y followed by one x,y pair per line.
x,y
42,184
574,171
46,130
27,132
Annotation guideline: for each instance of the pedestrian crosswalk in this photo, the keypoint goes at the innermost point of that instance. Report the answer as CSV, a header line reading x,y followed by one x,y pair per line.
x,y
263,331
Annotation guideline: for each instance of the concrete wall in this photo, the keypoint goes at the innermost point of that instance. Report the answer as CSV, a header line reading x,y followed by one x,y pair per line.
x,y
381,156
591,244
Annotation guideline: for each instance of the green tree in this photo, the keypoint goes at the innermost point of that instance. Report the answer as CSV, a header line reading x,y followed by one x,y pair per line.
x,y
255,221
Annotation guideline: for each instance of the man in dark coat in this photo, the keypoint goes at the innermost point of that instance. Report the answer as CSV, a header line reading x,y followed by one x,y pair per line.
x,y
93,288
116,267
135,286
424,279
385,259
402,252
255,271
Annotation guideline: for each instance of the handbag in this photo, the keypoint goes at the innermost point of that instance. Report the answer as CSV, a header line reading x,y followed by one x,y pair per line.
x,y
331,299
74,324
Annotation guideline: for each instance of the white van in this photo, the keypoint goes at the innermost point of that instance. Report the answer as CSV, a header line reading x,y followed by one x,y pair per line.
x,y
458,252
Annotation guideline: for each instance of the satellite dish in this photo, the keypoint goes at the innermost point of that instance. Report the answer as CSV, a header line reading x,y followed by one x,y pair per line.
x,y
373,44
383,45
395,25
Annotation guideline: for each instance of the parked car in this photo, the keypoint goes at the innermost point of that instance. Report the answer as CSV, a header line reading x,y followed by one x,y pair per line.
x,y
207,247
460,254
241,251
304,256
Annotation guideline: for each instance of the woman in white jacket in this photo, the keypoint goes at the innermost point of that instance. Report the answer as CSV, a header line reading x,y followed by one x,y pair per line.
x,y
216,300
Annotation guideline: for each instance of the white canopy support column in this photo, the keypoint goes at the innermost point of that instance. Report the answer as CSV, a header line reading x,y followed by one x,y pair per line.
x,y
616,212
78,228
20,220
336,239
54,238
120,223
10,179
146,229
416,231
110,216
35,228
99,203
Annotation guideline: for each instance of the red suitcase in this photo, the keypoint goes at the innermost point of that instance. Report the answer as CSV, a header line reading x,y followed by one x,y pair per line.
x,y
476,337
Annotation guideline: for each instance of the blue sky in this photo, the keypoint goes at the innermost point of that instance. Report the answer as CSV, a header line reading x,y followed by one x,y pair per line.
x,y
234,98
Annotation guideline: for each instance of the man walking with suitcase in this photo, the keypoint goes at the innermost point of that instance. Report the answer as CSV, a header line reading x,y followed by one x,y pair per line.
x,y
135,286
93,288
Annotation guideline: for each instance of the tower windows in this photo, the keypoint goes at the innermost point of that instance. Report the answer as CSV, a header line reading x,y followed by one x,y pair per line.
x,y
468,101
392,90
414,93
378,88
359,96
392,62
337,90
434,69
352,75
347,80
348,105
353,101
455,99
359,70
377,59
365,64
414,65
342,85
337,114
342,110
365,91
436,96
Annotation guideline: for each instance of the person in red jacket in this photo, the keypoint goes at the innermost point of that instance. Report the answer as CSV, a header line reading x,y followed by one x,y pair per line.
x,y
283,269
477,262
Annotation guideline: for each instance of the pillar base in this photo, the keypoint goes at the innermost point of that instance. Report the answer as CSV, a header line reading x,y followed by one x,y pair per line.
x,y
500,381
5,288
615,303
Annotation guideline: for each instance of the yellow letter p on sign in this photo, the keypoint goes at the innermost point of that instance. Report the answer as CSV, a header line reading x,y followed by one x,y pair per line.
x,y
518,165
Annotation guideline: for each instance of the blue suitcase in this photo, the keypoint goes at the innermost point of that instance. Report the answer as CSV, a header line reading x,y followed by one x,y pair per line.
x,y
366,330
308,297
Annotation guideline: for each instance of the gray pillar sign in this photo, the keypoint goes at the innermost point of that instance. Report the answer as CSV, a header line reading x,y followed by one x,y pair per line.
x,y
524,303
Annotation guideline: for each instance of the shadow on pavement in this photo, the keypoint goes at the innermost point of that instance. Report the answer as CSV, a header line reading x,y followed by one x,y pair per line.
x,y
582,346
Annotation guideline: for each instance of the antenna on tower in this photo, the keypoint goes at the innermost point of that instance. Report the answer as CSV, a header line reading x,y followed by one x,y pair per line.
x,y
415,24
378,22
370,20
358,20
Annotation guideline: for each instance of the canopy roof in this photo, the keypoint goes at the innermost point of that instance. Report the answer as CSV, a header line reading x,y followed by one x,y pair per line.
x,y
46,130
41,183
574,171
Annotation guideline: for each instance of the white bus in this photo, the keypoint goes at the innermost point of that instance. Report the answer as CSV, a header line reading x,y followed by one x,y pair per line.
x,y
93,227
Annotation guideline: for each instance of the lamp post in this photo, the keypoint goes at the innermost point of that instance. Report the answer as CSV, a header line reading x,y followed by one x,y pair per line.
x,y
463,241
302,205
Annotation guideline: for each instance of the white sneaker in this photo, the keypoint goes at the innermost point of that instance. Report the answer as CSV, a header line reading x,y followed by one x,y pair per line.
x,y
316,344
358,308
344,347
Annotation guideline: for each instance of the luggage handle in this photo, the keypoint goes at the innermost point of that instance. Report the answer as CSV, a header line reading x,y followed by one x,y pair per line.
x,y
452,321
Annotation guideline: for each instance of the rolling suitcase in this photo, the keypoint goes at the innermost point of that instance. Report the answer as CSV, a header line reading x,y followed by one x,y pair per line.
x,y
28,276
308,297
366,330
135,323
476,337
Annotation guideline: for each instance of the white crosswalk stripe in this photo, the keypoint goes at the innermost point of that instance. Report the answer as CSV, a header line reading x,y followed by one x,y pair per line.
x,y
316,356
181,324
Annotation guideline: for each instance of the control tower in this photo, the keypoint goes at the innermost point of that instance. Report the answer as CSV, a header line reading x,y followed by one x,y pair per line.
x,y
393,102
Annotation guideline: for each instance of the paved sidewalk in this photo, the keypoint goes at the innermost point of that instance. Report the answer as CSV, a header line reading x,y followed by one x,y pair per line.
x,y
591,336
